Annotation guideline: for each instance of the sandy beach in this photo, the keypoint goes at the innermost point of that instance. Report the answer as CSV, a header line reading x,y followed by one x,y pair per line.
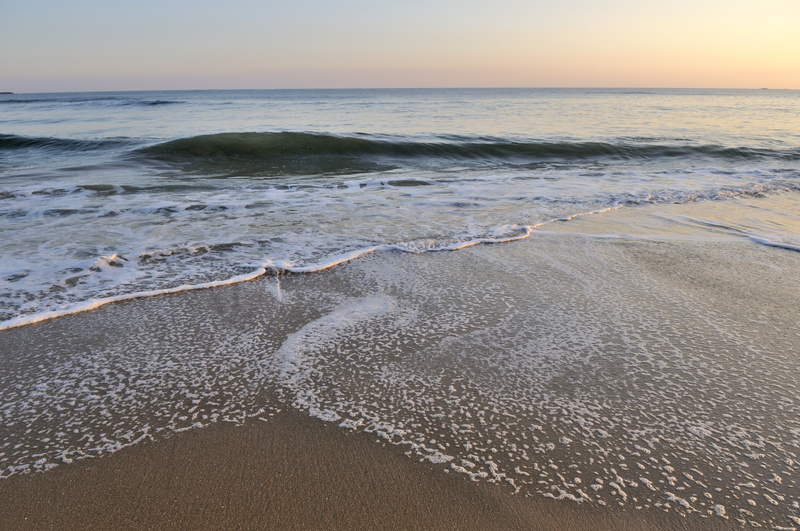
x,y
580,379
290,472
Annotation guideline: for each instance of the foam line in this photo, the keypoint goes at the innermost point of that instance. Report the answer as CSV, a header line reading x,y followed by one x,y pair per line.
x,y
275,269
86,306
574,216
340,259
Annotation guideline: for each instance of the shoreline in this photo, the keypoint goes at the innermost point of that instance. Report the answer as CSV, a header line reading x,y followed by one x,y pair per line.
x,y
515,233
578,365
271,269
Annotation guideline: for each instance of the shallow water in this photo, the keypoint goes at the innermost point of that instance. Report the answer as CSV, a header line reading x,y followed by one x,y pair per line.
x,y
579,364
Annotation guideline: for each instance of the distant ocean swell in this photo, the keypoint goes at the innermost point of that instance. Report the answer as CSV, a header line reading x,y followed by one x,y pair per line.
x,y
85,100
308,152
65,145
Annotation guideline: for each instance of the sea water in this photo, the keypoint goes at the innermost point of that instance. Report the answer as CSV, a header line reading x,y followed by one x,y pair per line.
x,y
111,195
636,348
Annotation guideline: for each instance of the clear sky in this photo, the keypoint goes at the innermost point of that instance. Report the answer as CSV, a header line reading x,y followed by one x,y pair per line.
x,y
75,45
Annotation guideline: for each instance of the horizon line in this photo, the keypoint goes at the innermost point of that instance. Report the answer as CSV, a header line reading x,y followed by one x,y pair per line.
x,y
566,87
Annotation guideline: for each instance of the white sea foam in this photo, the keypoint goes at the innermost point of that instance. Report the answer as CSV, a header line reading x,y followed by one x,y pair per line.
x,y
94,304
343,320
111,265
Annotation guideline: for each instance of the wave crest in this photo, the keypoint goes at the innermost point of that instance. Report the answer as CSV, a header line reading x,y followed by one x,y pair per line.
x,y
300,153
16,142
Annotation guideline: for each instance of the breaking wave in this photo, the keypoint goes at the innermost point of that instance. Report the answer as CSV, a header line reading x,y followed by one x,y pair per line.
x,y
289,145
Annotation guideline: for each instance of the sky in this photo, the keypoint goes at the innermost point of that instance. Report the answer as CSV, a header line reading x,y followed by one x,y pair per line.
x,y
85,45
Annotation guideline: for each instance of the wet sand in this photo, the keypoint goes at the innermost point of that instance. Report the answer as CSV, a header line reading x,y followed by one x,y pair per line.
x,y
289,472
643,369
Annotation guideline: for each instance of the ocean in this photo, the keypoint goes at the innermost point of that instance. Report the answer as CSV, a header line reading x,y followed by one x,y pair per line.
x,y
108,195
584,294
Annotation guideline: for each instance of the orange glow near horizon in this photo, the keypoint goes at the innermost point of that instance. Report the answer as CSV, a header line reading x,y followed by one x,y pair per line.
x,y
88,45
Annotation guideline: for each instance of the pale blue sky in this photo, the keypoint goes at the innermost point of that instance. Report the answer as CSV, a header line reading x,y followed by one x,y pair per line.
x,y
106,45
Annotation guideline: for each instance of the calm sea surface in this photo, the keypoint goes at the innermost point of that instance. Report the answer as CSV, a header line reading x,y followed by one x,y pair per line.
x,y
105,195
